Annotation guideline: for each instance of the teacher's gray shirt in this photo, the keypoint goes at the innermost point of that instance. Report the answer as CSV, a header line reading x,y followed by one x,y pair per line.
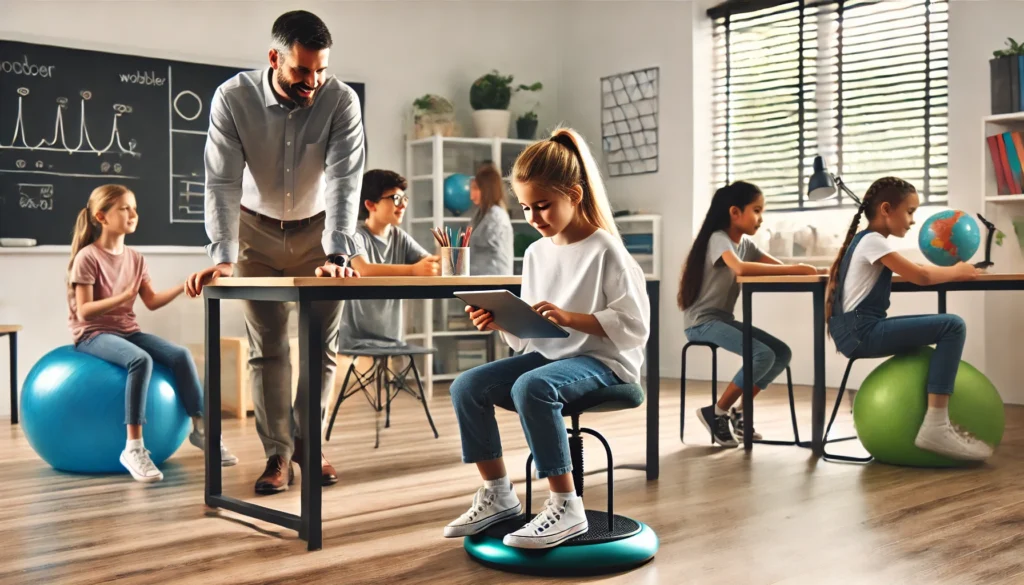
x,y
283,162
378,322
490,246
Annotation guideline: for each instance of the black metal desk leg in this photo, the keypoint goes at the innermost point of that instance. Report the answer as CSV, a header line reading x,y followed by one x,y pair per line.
x,y
942,302
211,405
310,387
748,369
13,339
653,382
818,396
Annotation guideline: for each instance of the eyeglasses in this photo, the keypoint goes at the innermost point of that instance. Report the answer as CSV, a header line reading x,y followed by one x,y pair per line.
x,y
400,199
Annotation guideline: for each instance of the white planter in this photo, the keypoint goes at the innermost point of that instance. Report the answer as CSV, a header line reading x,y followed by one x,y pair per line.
x,y
491,123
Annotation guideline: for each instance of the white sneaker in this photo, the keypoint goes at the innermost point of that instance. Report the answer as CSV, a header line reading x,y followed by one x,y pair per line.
x,y
226,458
944,440
489,507
138,463
558,523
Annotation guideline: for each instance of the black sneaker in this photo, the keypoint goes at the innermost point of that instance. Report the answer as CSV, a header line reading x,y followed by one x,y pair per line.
x,y
736,416
717,425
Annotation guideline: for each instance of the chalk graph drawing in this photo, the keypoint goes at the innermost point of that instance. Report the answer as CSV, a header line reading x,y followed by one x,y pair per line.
x,y
35,196
188,169
60,142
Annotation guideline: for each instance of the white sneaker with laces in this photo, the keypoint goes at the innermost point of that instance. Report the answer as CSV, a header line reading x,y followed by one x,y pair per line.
x,y
944,440
559,522
489,507
227,459
138,463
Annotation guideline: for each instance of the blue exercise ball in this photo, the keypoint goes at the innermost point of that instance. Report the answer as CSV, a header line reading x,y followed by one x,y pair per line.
x,y
456,193
948,237
73,412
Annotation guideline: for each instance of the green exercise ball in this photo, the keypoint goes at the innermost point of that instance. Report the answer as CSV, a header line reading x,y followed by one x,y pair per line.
x,y
891,403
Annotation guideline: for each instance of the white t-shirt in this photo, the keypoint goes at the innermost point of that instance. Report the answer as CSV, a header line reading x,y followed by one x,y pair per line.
x,y
864,269
595,276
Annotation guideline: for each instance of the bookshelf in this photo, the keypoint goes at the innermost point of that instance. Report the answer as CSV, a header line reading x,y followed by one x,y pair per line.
x,y
1003,317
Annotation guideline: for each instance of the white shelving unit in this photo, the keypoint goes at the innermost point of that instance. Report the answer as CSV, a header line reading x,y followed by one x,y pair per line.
x,y
429,161
1002,310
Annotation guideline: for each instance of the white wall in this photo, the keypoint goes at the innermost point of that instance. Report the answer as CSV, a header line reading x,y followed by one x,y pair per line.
x,y
605,38
401,50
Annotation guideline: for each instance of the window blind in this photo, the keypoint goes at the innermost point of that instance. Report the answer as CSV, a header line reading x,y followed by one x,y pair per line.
x,y
863,83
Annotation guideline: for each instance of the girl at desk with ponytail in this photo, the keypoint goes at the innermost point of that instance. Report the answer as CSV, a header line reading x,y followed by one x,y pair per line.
x,y
858,297
708,289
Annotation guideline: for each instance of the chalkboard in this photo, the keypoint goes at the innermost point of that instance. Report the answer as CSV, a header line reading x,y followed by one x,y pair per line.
x,y
72,119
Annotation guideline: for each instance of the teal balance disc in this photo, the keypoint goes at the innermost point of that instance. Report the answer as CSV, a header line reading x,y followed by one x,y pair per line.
x,y
628,545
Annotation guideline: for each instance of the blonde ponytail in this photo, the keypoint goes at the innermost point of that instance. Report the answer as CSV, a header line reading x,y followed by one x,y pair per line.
x,y
102,199
561,163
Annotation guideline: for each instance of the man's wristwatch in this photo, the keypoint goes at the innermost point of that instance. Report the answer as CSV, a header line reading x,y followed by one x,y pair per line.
x,y
338,260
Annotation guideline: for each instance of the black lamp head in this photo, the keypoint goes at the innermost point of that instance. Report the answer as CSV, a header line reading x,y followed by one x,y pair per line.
x,y
820,185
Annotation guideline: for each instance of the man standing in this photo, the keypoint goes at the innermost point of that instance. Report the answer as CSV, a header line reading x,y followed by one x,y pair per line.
x,y
284,161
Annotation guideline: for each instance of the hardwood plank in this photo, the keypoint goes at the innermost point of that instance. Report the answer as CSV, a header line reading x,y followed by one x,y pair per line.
x,y
775,515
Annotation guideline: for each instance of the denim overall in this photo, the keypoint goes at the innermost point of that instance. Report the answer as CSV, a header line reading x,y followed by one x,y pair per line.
x,y
849,329
866,332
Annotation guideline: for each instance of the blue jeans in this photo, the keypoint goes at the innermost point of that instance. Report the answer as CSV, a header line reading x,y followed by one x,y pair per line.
x,y
870,337
771,355
538,387
137,352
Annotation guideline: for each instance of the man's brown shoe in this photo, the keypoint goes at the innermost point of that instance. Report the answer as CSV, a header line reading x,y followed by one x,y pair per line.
x,y
327,474
276,477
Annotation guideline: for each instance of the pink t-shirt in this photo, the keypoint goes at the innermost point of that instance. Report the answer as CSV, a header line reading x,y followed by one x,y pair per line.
x,y
110,274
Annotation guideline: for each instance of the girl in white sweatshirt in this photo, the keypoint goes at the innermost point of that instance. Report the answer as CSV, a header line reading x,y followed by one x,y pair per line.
x,y
580,276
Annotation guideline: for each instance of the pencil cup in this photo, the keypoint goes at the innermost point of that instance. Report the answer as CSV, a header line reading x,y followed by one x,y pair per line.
x,y
454,261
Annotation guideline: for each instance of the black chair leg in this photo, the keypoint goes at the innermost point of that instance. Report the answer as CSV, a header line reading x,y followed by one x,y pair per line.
x,y
792,416
682,396
835,409
423,396
576,455
682,387
379,405
341,398
611,475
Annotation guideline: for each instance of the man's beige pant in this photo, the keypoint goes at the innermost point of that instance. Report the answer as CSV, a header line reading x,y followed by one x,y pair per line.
x,y
266,250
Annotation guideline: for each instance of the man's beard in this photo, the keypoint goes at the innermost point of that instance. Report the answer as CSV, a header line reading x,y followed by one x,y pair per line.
x,y
292,94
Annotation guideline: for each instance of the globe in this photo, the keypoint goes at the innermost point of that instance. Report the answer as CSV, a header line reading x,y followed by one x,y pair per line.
x,y
949,237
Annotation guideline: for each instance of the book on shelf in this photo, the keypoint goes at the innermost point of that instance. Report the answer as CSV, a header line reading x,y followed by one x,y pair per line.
x,y
1007,152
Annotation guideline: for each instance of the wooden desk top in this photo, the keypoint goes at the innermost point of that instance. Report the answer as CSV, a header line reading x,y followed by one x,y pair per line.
x,y
5,329
313,281
994,277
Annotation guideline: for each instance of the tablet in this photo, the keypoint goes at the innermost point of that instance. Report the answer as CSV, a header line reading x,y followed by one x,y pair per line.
x,y
512,314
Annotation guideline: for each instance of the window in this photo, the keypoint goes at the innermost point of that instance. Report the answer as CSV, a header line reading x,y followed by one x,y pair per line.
x,y
863,83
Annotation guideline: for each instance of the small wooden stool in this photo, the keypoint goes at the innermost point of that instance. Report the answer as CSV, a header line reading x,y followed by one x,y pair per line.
x,y
11,331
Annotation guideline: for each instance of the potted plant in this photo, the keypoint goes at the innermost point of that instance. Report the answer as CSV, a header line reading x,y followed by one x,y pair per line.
x,y
489,96
433,114
526,126
1006,74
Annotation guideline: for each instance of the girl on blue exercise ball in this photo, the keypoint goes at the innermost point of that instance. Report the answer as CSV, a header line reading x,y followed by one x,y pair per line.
x,y
858,297
104,279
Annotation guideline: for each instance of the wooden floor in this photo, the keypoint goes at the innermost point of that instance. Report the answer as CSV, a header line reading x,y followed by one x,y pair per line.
x,y
775,516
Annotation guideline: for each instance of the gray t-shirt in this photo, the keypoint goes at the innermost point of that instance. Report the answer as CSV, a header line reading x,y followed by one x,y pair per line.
x,y
490,247
377,322
719,289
